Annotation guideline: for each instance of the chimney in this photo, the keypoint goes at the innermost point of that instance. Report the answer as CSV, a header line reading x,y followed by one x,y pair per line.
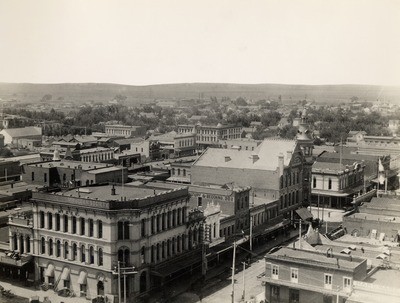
x,y
281,163
227,158
113,191
255,158
289,154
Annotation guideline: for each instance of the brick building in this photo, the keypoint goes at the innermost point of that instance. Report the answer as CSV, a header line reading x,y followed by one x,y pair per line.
x,y
210,135
72,173
275,170
125,131
335,184
78,238
294,275
378,219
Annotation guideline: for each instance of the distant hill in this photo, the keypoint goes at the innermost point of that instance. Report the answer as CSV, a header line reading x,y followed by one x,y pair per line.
x,y
101,92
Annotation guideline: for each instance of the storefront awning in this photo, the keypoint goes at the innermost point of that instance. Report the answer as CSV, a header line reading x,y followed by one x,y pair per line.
x,y
304,213
65,274
82,278
49,271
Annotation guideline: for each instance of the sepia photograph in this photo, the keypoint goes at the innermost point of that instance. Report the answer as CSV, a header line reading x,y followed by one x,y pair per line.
x,y
187,151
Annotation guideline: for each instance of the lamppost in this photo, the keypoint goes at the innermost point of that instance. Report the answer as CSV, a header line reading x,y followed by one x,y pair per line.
x,y
118,270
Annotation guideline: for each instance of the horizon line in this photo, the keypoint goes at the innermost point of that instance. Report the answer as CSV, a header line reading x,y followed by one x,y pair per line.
x,y
180,83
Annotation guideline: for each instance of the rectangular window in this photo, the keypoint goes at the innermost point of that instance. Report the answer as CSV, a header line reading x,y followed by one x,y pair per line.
x,y
294,275
314,184
347,283
33,176
45,177
143,228
100,229
294,296
275,271
57,222
199,201
328,281
82,226
275,293
74,225
329,183
50,221
41,219
65,223
91,227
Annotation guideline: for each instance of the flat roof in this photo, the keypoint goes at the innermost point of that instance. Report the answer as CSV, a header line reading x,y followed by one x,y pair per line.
x,y
71,164
387,277
106,170
315,258
103,193
373,217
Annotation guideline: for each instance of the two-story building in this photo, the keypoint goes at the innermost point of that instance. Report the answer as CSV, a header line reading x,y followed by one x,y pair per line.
x,y
125,131
335,184
210,135
297,275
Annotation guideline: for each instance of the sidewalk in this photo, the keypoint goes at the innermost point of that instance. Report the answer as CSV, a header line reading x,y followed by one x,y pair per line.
x,y
30,292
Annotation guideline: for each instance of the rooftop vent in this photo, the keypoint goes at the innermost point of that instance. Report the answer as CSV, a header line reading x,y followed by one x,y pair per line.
x,y
254,158
227,159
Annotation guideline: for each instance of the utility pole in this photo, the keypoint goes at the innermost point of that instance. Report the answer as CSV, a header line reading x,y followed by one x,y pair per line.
x,y
251,232
337,295
119,282
244,282
233,271
300,233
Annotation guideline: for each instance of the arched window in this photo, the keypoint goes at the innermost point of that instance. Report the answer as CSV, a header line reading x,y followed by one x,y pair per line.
x,y
100,256
50,247
100,288
15,242
58,248
143,255
163,250
28,244
50,221
91,255
124,256
74,251
82,226
83,253
41,219
43,245
65,250
158,252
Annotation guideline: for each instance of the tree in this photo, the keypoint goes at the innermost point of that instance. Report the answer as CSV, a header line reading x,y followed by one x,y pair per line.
x,y
240,102
5,152
46,98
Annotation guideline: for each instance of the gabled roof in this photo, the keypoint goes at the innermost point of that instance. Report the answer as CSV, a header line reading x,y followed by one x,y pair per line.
x,y
23,132
264,157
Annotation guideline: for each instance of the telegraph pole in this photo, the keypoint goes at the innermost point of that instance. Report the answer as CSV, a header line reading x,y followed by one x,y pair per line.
x,y
300,233
119,282
251,232
244,282
233,271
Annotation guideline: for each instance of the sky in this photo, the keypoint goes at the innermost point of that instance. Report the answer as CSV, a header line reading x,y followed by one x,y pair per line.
x,y
173,41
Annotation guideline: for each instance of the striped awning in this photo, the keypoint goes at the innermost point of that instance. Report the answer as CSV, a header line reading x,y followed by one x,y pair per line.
x,y
65,274
82,278
49,271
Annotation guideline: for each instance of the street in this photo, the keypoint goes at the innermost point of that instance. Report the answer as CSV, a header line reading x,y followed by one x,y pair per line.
x,y
252,285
